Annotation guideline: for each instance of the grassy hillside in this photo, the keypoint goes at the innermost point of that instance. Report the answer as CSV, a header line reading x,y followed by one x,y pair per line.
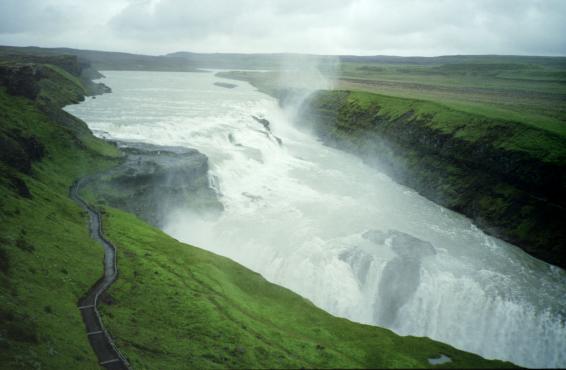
x,y
47,258
174,305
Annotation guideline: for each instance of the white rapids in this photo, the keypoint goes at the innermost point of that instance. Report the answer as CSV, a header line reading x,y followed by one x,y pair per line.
x,y
320,222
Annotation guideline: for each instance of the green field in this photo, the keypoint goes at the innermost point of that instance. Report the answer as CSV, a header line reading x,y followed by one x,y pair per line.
x,y
533,94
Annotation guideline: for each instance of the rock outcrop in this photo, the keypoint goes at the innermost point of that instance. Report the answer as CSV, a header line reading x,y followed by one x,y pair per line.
x,y
27,75
225,85
155,180
21,79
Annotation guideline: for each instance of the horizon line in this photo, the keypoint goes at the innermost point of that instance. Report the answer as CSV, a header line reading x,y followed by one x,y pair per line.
x,y
287,53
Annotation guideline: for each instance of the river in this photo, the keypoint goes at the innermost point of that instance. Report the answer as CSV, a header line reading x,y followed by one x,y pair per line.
x,y
320,222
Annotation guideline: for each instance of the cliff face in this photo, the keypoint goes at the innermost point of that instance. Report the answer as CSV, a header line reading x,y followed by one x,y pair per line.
x,y
49,87
506,177
21,79
65,79
155,180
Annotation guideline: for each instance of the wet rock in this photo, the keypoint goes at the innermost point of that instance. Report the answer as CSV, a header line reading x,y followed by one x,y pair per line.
x,y
20,186
253,198
440,360
225,85
19,151
232,140
359,261
401,275
155,180
21,79
402,244
265,123
107,298
97,88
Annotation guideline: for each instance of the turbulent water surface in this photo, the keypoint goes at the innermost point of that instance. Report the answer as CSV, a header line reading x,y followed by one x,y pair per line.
x,y
323,224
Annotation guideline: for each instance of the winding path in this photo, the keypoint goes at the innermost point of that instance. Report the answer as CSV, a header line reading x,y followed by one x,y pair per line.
x,y
109,357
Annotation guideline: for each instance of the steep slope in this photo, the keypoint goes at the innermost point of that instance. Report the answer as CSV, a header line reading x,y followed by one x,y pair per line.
x,y
508,177
174,305
48,259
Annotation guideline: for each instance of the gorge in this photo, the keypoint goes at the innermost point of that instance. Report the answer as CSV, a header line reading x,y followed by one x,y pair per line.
x,y
341,233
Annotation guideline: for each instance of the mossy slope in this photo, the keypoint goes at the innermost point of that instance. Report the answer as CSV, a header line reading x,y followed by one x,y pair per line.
x,y
508,177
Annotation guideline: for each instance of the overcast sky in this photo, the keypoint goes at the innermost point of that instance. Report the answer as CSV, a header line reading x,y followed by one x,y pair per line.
x,y
366,27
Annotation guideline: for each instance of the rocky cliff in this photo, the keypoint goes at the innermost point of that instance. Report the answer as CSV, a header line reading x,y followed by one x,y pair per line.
x,y
154,181
508,178
30,76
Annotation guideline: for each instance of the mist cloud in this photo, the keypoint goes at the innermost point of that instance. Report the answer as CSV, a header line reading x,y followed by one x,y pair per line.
x,y
400,27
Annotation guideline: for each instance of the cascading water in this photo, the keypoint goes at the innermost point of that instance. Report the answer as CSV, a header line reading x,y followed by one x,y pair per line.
x,y
323,224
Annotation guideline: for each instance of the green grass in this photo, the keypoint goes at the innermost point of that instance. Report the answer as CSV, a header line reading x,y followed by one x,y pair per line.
x,y
59,88
177,306
48,258
529,93
74,79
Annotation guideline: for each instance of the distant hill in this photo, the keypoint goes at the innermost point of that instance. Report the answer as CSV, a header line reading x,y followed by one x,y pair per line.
x,y
270,61
106,60
184,61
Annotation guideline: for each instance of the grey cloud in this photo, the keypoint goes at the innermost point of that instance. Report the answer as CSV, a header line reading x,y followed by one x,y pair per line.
x,y
35,15
404,27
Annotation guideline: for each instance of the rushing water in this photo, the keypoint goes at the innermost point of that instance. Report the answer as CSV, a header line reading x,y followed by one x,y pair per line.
x,y
323,224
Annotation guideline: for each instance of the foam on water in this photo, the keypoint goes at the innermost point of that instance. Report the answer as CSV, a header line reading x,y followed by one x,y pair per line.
x,y
323,224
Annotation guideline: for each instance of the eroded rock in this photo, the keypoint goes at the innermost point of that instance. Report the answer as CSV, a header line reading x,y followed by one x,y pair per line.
x,y
155,180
